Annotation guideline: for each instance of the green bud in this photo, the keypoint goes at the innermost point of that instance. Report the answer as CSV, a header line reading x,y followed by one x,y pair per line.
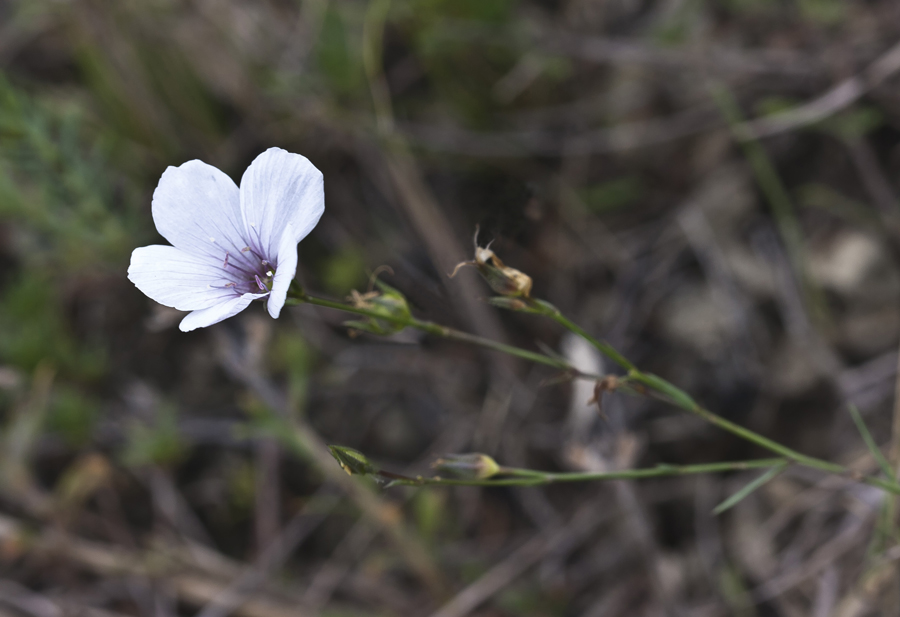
x,y
472,466
510,304
388,302
352,461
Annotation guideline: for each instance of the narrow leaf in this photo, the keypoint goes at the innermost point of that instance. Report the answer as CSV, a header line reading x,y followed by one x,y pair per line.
x,y
744,492
870,443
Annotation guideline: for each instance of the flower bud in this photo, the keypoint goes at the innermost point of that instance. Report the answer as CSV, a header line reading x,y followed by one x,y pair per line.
x,y
503,280
388,302
473,466
510,304
352,461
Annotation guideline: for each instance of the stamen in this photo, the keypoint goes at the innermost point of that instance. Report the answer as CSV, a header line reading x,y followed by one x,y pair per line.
x,y
269,273
252,252
244,271
258,236
260,283
227,255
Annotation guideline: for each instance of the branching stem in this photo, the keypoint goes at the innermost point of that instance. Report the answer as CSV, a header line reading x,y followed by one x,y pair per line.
x,y
678,397
298,296
660,387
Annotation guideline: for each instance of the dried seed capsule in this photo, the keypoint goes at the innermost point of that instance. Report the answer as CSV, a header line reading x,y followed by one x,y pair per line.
x,y
504,280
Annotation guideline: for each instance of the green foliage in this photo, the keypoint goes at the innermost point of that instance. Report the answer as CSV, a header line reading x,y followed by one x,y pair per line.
x,y
529,600
483,11
461,69
70,213
678,27
148,90
613,194
71,210
751,7
853,123
874,450
735,593
241,481
40,333
72,415
344,271
428,509
159,443
338,56
824,197
291,355
772,105
825,12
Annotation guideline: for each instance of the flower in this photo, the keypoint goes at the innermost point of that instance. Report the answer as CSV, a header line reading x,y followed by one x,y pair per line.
x,y
230,245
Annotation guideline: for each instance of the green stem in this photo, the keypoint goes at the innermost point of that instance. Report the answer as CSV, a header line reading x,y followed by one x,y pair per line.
x,y
297,296
682,399
530,477
669,392
545,308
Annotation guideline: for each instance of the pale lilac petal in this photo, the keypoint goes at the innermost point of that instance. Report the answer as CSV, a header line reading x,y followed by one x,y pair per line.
x,y
287,268
215,314
197,208
178,279
281,193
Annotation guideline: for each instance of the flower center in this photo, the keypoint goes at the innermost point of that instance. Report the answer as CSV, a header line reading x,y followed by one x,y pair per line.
x,y
248,272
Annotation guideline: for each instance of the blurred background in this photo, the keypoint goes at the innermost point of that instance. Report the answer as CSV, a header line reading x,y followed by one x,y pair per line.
x,y
712,187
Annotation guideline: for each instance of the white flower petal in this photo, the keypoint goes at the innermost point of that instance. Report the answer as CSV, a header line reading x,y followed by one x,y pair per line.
x,y
178,279
215,314
197,208
287,268
280,193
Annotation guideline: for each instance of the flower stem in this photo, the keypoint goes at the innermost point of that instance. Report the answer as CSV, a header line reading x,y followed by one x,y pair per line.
x,y
530,477
682,399
666,390
548,310
299,296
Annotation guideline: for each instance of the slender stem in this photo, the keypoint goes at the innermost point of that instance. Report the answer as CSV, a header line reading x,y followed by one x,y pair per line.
x,y
299,297
530,477
669,392
682,399
547,309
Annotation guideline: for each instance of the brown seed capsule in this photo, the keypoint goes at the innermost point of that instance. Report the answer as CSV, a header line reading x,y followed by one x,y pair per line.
x,y
504,280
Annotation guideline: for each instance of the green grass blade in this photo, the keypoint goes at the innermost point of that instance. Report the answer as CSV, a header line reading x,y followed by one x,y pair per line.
x,y
744,492
870,443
